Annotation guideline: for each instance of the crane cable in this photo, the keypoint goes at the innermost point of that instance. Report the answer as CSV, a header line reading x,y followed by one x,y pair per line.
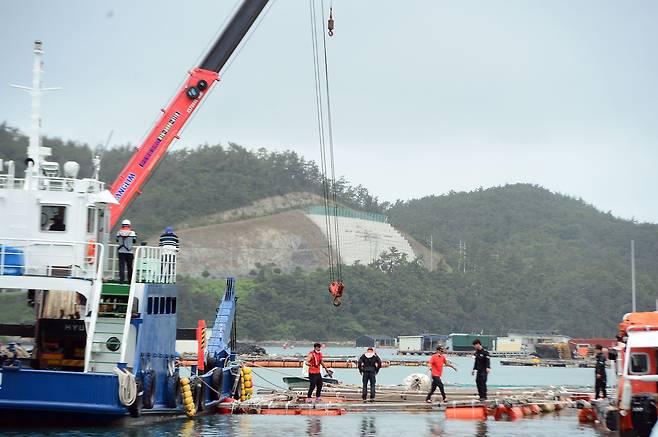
x,y
325,135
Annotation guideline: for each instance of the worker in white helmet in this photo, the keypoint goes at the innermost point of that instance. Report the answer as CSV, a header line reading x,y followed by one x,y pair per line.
x,y
126,238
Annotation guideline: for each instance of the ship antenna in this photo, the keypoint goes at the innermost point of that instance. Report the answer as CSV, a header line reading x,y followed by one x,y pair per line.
x,y
99,156
34,151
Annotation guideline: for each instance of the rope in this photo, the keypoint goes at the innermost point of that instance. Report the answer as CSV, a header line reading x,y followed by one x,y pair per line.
x,y
325,135
269,382
209,386
127,386
321,137
252,364
244,42
331,149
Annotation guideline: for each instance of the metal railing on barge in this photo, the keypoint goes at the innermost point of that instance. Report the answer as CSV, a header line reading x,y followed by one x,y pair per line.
x,y
47,183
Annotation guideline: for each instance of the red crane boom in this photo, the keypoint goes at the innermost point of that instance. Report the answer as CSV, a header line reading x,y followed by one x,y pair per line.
x,y
133,176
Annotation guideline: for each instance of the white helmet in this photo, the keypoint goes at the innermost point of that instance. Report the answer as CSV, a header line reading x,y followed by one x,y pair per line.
x,y
126,222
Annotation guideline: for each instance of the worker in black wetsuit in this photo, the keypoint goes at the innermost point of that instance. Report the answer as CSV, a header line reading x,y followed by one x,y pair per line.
x,y
369,365
481,368
600,376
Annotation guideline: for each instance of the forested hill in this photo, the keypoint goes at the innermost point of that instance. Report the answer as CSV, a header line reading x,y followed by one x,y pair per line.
x,y
529,223
198,182
535,260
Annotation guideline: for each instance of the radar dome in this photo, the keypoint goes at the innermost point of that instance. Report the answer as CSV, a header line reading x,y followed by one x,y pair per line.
x,y
71,169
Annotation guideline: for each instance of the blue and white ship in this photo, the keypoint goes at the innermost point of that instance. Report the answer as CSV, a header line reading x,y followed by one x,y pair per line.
x,y
103,351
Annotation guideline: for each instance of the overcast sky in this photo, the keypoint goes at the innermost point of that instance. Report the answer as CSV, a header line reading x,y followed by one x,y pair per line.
x,y
427,96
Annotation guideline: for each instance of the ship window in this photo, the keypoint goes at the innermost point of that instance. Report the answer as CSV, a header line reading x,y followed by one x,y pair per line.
x,y
173,305
90,220
101,221
149,306
162,305
53,218
156,305
168,310
639,363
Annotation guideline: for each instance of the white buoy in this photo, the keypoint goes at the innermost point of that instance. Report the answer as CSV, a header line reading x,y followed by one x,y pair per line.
x,y
417,382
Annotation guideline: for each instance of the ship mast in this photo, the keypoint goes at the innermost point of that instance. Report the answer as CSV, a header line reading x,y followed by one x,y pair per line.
x,y
34,150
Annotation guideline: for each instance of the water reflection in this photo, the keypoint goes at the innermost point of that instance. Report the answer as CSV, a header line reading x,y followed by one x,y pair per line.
x,y
368,428
314,426
481,430
375,424
435,427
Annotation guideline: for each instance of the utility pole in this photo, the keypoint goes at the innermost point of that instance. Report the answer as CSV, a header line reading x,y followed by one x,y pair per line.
x,y
464,263
461,264
431,253
633,272
459,260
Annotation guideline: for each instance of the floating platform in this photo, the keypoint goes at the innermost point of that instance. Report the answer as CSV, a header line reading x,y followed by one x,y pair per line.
x,y
507,409
539,362
494,354
321,408
457,393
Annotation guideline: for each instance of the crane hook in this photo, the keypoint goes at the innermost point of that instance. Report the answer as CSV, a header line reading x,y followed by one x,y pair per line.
x,y
336,289
330,23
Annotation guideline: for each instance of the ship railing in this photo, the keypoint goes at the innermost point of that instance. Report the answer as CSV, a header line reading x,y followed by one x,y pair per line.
x,y
93,303
48,183
151,265
49,258
155,265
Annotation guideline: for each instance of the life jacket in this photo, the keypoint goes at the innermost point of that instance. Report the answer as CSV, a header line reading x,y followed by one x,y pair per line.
x,y
316,359
126,238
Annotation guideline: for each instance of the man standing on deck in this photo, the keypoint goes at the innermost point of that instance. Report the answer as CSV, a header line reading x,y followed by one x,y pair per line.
x,y
369,365
314,361
436,363
482,367
170,246
600,380
126,238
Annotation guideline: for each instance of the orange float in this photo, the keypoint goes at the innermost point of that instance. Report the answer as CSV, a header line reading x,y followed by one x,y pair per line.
x,y
535,409
515,413
503,412
224,410
500,412
300,412
587,415
476,412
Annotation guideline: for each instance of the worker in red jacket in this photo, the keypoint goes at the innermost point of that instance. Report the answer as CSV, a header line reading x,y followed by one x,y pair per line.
x,y
436,363
314,362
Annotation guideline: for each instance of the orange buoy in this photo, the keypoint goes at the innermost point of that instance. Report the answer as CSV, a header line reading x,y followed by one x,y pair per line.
x,y
224,410
535,409
500,412
475,412
503,412
278,411
303,412
332,412
514,413
587,415
526,410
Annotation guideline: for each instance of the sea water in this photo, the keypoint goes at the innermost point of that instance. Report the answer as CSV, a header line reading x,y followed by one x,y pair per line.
x,y
376,424
348,425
